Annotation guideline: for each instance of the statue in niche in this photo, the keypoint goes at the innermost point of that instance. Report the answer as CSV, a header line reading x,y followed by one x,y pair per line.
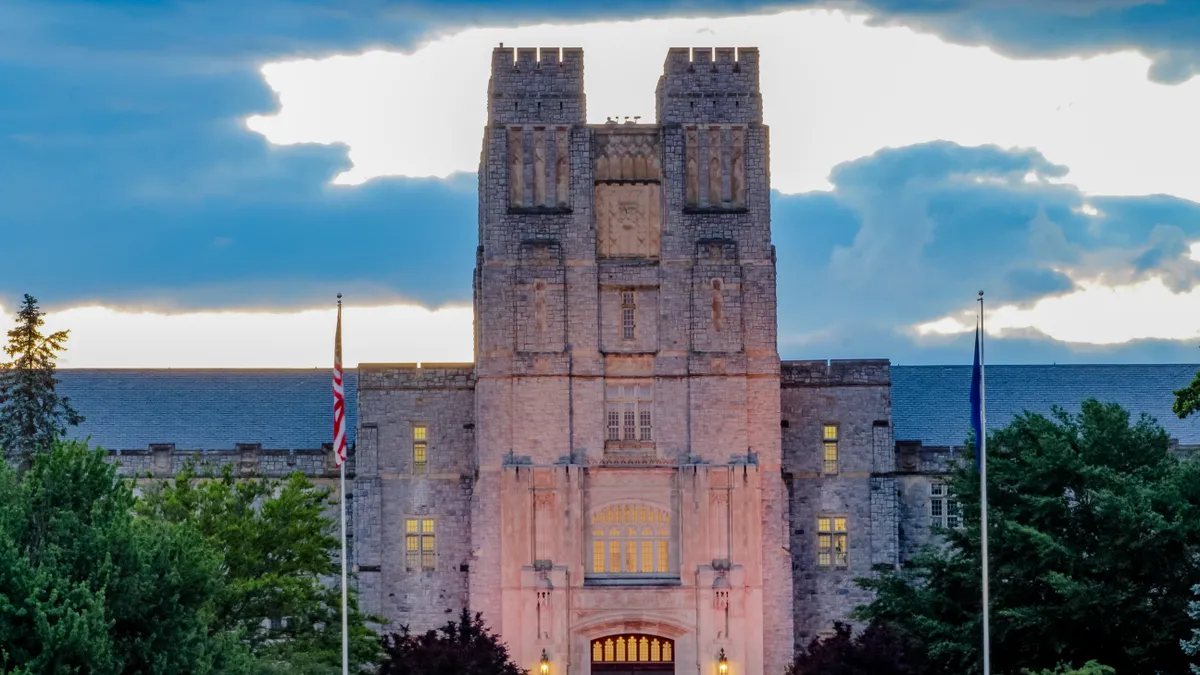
x,y
516,167
737,166
562,168
692,193
717,305
539,306
714,167
539,167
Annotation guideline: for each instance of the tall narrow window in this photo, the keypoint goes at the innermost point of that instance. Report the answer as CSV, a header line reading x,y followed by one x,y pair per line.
x,y
944,509
831,448
832,541
419,544
629,411
420,448
628,315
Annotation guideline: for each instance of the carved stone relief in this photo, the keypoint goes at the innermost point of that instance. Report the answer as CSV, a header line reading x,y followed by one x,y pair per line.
x,y
715,174
692,192
628,157
539,167
516,167
562,167
628,220
737,167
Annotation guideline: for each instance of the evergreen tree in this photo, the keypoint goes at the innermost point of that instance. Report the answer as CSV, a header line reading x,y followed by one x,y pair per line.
x,y
1094,547
877,650
1191,646
32,414
463,647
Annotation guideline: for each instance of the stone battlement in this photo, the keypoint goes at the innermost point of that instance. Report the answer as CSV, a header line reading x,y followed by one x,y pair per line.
x,y
162,460
416,376
536,85
835,373
706,85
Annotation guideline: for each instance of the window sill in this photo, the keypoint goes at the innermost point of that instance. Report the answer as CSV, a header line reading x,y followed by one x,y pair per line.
x,y
628,445
631,580
696,210
538,210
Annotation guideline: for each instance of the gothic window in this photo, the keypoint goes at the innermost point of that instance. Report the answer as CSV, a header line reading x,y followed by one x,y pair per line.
x,y
420,448
832,543
631,538
633,649
944,509
629,413
628,315
419,544
830,439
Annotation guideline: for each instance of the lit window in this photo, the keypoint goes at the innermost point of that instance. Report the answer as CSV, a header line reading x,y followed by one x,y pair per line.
x,y
419,544
628,313
629,413
631,539
830,438
420,449
831,541
944,509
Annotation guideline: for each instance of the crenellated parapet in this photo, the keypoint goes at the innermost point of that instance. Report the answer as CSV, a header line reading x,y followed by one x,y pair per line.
x,y
247,460
835,373
532,85
707,85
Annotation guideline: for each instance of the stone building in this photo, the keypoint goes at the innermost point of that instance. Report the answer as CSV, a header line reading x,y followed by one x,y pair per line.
x,y
627,477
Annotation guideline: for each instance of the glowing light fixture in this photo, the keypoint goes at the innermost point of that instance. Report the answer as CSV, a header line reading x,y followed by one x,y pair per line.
x,y
722,663
545,665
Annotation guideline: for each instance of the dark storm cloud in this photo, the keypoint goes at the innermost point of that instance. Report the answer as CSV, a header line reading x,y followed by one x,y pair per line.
x,y
911,234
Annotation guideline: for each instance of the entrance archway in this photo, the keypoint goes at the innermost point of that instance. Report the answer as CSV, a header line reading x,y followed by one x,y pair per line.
x,y
633,654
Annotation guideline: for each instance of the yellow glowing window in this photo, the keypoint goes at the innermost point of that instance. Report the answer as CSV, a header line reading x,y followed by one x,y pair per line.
x,y
420,449
832,541
598,556
630,539
632,649
831,448
420,549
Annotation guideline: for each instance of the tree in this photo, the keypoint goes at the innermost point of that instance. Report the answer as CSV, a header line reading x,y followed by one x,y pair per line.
x,y
32,414
282,566
85,587
1191,646
1094,529
878,650
463,647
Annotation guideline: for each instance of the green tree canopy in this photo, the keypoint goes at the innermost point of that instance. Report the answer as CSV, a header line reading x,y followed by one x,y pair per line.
x,y
1093,533
463,647
32,414
85,587
282,566
877,650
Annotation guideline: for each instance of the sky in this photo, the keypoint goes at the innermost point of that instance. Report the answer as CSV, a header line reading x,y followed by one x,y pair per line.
x,y
190,184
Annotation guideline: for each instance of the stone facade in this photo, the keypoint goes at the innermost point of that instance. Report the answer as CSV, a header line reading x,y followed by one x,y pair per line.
x,y
627,461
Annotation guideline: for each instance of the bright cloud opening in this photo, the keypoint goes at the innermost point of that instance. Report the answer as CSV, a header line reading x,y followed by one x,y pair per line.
x,y
834,89
102,337
1094,314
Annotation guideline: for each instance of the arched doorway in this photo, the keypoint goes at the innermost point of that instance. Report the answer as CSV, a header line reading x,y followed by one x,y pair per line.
x,y
633,654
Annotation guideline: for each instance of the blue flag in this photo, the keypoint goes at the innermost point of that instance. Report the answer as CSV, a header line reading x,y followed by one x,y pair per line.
x,y
977,400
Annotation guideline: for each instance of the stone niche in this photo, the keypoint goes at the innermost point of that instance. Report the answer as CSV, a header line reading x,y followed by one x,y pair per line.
x,y
628,175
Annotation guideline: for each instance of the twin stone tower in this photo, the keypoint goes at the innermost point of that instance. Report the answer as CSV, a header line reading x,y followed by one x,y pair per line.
x,y
607,482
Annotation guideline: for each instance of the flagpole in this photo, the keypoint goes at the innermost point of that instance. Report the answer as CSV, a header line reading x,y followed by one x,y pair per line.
x,y
338,449
983,523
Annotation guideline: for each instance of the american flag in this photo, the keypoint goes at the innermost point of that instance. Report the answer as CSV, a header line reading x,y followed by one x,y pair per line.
x,y
339,394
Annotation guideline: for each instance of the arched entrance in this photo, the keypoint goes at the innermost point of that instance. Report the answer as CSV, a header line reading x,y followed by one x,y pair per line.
x,y
633,654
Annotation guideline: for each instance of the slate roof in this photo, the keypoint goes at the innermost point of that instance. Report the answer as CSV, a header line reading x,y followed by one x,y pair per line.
x,y
291,409
208,409
932,403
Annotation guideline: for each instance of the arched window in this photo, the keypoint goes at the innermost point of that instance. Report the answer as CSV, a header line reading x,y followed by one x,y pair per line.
x,y
631,538
633,649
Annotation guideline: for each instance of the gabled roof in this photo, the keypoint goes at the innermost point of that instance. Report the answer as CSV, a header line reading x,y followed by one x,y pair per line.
x,y
932,403
292,409
208,409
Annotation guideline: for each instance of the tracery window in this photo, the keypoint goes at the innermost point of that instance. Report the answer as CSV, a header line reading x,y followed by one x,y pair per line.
x,y
631,539
633,649
629,412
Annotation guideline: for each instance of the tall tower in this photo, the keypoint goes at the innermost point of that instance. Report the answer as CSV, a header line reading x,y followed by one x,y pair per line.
x,y
628,504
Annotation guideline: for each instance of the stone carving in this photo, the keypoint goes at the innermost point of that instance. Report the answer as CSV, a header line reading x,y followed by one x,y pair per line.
x,y
717,305
539,167
628,220
692,191
562,167
628,157
539,306
714,166
516,167
737,167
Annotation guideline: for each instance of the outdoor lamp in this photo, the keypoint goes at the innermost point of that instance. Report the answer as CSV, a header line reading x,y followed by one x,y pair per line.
x,y
545,665
722,663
